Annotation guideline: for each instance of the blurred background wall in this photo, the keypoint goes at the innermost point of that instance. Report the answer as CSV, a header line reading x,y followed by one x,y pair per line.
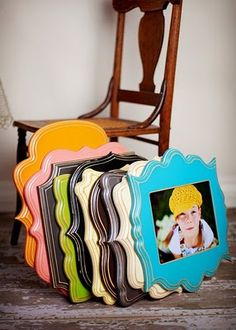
x,y
56,59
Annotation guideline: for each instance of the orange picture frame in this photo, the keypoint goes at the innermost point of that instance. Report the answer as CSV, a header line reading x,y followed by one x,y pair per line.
x,y
69,134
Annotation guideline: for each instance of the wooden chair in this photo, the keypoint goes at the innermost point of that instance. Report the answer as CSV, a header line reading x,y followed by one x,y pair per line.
x,y
150,38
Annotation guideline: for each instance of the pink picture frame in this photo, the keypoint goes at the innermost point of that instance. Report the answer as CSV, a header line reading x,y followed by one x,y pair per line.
x,y
31,197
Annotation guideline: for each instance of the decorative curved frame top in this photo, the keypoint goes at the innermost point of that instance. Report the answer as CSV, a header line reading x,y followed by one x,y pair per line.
x,y
71,134
82,190
77,292
76,232
172,171
41,263
31,197
122,200
113,262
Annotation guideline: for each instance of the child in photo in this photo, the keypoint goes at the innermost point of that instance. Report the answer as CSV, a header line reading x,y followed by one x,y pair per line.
x,y
190,233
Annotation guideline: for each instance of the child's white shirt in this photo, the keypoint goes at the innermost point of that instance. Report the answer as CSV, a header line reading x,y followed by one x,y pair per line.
x,y
175,246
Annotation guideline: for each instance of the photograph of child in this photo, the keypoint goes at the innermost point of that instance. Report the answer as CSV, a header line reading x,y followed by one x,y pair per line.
x,y
191,233
181,228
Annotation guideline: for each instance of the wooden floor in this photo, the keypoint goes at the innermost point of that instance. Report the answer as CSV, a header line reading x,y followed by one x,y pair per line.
x,y
28,303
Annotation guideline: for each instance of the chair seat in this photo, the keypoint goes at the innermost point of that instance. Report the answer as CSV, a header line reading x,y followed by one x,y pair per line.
x,y
34,125
113,127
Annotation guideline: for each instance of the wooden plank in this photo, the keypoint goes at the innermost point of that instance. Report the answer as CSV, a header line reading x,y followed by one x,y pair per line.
x,y
28,303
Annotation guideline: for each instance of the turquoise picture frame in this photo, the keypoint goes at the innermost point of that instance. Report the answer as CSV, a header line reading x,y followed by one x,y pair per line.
x,y
175,170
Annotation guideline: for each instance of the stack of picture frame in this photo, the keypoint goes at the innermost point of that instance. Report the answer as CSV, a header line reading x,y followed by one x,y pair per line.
x,y
98,216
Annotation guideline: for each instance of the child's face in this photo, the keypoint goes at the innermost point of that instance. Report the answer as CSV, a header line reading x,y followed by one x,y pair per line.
x,y
189,222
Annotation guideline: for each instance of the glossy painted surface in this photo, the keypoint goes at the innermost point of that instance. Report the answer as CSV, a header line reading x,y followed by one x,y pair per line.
x,y
77,292
51,229
175,170
76,232
82,191
73,135
114,259
41,262
36,230
122,201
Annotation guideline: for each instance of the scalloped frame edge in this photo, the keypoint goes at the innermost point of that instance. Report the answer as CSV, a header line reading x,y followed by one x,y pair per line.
x,y
164,174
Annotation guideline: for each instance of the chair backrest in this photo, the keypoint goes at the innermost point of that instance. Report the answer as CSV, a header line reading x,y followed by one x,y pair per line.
x,y
150,38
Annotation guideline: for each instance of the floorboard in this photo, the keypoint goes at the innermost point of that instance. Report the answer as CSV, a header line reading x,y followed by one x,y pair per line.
x,y
28,303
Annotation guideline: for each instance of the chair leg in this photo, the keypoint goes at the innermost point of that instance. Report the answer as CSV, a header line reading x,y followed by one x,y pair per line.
x,y
21,155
